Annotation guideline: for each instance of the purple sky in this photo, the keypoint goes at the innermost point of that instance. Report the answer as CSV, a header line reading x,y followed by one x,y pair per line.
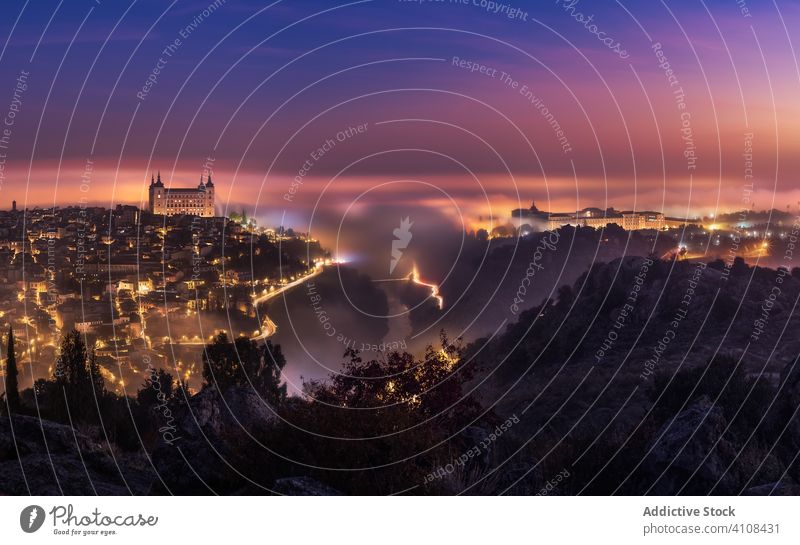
x,y
260,89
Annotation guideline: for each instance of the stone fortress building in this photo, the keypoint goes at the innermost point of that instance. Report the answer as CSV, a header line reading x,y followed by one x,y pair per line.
x,y
539,220
174,201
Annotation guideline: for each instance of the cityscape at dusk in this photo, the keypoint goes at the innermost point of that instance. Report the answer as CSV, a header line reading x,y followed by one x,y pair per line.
x,y
401,247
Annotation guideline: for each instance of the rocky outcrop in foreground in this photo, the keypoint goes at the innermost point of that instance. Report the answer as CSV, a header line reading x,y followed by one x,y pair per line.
x,y
214,444
303,486
214,436
41,457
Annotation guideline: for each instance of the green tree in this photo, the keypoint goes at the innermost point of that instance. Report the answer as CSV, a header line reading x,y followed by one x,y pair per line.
x,y
12,383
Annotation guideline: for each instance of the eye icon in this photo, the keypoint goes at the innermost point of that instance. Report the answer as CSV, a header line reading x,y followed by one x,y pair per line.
x,y
31,518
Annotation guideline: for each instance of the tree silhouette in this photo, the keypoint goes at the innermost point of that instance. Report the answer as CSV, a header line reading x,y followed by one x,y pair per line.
x,y
427,387
71,363
12,385
96,379
158,388
245,363
78,379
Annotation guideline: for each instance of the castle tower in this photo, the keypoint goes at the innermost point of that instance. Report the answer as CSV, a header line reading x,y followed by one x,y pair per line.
x,y
208,207
158,199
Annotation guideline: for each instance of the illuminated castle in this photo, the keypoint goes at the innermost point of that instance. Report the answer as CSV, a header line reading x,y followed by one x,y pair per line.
x,y
173,201
598,218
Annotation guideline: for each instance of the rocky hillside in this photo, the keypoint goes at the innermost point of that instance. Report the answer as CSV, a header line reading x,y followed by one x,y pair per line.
x,y
655,377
